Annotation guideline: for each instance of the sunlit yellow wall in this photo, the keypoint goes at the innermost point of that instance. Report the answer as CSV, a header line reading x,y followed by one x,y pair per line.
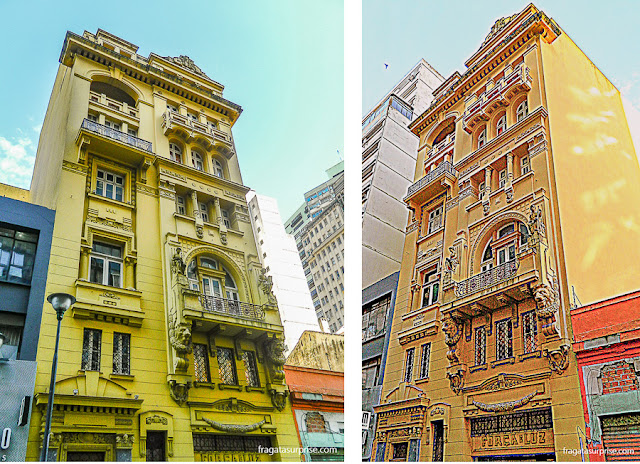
x,y
596,172
60,182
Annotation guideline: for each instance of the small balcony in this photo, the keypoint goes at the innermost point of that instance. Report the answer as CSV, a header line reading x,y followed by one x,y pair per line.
x,y
233,308
498,96
196,130
432,183
444,146
122,107
494,288
110,135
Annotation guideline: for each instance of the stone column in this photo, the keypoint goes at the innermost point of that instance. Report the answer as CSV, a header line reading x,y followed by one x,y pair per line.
x,y
84,263
488,171
128,273
508,188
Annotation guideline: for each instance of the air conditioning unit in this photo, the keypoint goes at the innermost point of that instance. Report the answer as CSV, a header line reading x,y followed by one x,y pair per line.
x,y
366,419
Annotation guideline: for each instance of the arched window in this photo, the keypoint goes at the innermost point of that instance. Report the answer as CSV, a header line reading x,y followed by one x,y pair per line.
x,y
196,159
217,169
175,153
522,111
501,126
506,230
487,258
482,138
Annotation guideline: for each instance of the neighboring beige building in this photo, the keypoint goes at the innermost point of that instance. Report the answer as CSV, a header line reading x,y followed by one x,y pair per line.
x,y
318,350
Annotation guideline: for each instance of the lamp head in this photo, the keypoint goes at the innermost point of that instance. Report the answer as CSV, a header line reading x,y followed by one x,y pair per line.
x,y
61,302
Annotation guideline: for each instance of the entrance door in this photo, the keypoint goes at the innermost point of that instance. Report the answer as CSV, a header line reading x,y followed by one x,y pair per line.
x,y
438,441
156,446
85,456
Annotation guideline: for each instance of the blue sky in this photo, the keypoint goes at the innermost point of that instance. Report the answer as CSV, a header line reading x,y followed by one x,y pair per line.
x,y
281,61
446,34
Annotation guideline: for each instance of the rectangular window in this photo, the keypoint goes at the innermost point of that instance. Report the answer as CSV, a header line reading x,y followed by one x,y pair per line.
x,y
112,125
225,219
204,211
110,185
92,117
530,332
132,132
106,265
481,346
201,363
91,350
503,178
507,253
121,353
11,344
408,366
227,366
180,205
504,340
250,369
17,255
524,165
430,288
424,361
435,220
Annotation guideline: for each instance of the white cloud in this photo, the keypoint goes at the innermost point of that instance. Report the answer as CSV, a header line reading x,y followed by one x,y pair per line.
x,y
16,161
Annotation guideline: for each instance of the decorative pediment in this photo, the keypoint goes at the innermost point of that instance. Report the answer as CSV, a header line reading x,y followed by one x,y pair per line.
x,y
236,405
91,384
497,27
187,63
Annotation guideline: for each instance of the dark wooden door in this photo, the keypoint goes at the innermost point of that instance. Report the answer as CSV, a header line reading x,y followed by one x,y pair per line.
x,y
156,446
438,441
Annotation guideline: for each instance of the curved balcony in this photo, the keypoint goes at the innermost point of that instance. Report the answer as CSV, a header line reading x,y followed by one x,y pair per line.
x,y
197,130
432,183
487,278
233,308
444,146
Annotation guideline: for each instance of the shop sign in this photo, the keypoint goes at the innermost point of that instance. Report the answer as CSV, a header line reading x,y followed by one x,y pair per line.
x,y
514,440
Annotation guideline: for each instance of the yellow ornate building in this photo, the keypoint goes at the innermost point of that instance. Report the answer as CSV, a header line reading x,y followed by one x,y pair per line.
x,y
527,184
174,349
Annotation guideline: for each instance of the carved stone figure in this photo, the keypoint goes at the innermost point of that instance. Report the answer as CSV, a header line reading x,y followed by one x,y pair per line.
x,y
535,220
451,263
456,381
279,399
274,350
452,333
266,284
179,391
485,208
547,299
180,337
124,440
187,63
177,264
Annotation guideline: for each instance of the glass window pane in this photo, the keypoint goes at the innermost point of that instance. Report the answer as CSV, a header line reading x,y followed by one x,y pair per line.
x,y
118,193
97,270
100,188
26,236
114,274
109,191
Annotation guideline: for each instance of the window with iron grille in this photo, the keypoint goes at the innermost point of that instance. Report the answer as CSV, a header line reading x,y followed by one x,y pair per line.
x,y
250,369
227,366
530,332
408,367
212,442
424,361
91,350
400,450
481,346
121,353
504,340
537,419
201,363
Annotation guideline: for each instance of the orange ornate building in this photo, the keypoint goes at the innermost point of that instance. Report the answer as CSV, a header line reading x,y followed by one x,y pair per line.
x,y
525,180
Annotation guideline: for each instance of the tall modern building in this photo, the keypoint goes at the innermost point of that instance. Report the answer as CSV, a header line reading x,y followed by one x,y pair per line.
x,y
174,349
279,256
25,255
526,185
389,151
320,241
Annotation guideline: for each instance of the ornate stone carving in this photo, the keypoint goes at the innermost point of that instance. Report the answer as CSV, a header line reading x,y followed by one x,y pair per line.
x,y
558,359
266,284
234,428
506,406
179,391
535,220
452,333
124,440
279,399
451,263
456,381
156,419
185,62
497,27
547,299
274,350
177,264
485,208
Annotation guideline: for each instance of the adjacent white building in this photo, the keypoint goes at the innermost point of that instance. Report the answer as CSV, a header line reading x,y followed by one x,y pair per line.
x,y
279,256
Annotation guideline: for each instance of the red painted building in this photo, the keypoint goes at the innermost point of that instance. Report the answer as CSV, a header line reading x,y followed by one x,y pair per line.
x,y
607,346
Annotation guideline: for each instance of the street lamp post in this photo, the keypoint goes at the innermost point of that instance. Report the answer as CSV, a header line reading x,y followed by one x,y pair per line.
x,y
60,302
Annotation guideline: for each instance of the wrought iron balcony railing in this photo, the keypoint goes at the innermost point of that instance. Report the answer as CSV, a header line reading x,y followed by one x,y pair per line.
x,y
114,134
215,304
444,167
171,117
487,278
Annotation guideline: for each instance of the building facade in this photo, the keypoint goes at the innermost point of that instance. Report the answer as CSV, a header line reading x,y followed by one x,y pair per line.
x,y
315,376
279,256
480,364
174,348
607,347
389,151
320,242
25,247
